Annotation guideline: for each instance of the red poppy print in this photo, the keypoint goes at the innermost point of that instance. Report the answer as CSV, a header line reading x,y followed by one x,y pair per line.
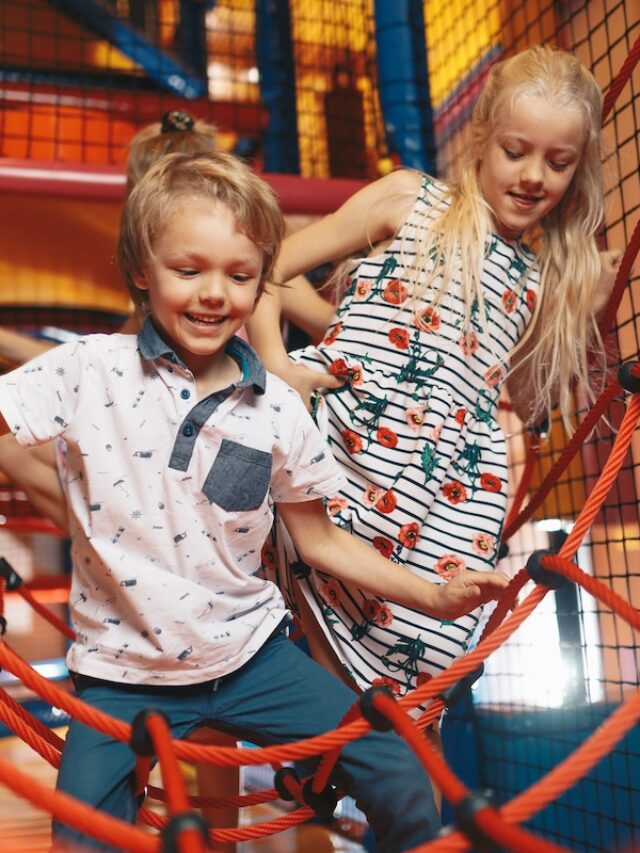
x,y
490,483
336,505
387,502
509,300
383,545
371,495
454,492
384,681
531,298
330,592
449,565
415,417
387,437
428,320
408,534
339,367
333,334
370,609
395,292
356,375
268,556
399,338
484,544
384,616
468,343
352,441
362,290
493,376
460,415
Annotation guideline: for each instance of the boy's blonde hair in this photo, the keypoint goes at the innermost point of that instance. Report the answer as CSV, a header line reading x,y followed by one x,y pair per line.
x,y
565,243
162,137
174,181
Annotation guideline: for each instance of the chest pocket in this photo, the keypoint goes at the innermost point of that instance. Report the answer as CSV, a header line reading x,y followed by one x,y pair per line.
x,y
239,477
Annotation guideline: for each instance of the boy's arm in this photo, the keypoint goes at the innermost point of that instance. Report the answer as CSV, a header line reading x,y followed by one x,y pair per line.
x,y
328,548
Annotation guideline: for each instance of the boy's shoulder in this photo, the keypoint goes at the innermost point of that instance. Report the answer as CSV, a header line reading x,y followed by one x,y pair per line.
x,y
277,392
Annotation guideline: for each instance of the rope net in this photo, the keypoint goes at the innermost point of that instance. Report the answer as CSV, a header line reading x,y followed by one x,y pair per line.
x,y
554,715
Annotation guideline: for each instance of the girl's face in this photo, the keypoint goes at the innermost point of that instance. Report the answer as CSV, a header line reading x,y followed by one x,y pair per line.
x,y
202,281
529,162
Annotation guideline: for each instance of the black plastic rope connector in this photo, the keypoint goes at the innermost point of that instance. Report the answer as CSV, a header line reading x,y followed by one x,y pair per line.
x,y
503,550
323,802
378,721
459,689
279,782
11,578
629,376
541,575
141,742
541,429
178,824
3,626
464,817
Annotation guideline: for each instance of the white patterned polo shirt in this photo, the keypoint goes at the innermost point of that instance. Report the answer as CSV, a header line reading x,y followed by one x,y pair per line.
x,y
170,500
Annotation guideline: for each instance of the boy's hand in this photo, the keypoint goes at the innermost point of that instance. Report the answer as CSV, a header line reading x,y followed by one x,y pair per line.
x,y
466,591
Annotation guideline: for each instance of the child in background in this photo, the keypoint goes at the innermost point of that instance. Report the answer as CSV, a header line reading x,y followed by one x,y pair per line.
x,y
178,442
450,302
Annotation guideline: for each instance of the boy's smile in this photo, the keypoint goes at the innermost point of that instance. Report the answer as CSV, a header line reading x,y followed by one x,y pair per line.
x,y
202,281
529,162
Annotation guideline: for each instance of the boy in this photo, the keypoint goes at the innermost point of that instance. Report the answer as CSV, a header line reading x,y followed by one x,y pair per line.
x,y
178,441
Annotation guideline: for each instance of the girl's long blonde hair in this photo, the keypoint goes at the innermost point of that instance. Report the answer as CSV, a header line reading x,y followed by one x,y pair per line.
x,y
563,323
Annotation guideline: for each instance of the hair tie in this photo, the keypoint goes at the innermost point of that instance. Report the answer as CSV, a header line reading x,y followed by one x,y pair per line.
x,y
176,120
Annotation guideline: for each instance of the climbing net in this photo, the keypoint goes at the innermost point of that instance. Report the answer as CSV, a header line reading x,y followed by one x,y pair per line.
x,y
478,821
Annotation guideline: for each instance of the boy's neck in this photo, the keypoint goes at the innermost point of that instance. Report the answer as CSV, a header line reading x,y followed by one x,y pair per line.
x,y
224,372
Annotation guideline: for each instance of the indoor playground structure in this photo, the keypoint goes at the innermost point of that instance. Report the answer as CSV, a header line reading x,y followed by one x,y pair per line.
x,y
541,737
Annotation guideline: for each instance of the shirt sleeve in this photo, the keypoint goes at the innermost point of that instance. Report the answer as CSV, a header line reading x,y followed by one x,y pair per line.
x,y
38,399
303,466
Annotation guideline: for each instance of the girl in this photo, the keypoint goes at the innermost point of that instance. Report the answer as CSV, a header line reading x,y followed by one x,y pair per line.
x,y
495,277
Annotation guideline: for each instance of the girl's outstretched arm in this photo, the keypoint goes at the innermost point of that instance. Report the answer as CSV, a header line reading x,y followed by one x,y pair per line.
x,y
328,548
370,216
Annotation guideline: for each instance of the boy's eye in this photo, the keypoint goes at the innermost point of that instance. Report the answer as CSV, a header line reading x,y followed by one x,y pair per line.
x,y
186,273
241,277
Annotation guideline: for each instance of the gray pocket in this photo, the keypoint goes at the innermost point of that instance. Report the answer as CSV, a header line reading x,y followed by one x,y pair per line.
x,y
239,477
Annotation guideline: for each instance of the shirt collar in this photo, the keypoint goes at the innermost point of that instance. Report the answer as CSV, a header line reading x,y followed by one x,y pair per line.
x,y
152,347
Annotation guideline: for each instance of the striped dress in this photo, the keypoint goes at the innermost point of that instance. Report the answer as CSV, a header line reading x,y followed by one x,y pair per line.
x,y
415,431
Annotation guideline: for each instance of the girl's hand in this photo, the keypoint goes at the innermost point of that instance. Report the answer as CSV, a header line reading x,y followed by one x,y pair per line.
x,y
466,591
609,263
306,381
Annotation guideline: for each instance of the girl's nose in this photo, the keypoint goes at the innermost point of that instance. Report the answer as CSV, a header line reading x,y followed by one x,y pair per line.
x,y
532,171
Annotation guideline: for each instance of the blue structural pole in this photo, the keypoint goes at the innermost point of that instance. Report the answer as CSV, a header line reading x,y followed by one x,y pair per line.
x,y
159,66
274,53
403,80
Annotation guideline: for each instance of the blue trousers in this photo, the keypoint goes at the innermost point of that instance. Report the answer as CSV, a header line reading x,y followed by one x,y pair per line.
x,y
281,695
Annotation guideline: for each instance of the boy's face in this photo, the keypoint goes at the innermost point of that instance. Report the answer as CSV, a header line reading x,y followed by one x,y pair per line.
x,y
202,281
529,162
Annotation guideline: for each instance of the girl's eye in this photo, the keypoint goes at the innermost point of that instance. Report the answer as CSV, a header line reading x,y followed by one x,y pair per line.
x,y
512,155
558,167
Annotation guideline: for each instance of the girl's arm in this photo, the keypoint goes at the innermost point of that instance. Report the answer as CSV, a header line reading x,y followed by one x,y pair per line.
x,y
328,548
19,348
370,216
38,479
307,309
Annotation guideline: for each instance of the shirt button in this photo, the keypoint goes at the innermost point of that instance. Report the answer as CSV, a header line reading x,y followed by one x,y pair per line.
x,y
185,393
187,430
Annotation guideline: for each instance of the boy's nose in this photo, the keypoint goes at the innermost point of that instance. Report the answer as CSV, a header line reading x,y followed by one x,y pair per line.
x,y
212,289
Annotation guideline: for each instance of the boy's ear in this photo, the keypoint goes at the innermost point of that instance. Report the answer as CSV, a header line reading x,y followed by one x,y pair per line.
x,y
140,281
